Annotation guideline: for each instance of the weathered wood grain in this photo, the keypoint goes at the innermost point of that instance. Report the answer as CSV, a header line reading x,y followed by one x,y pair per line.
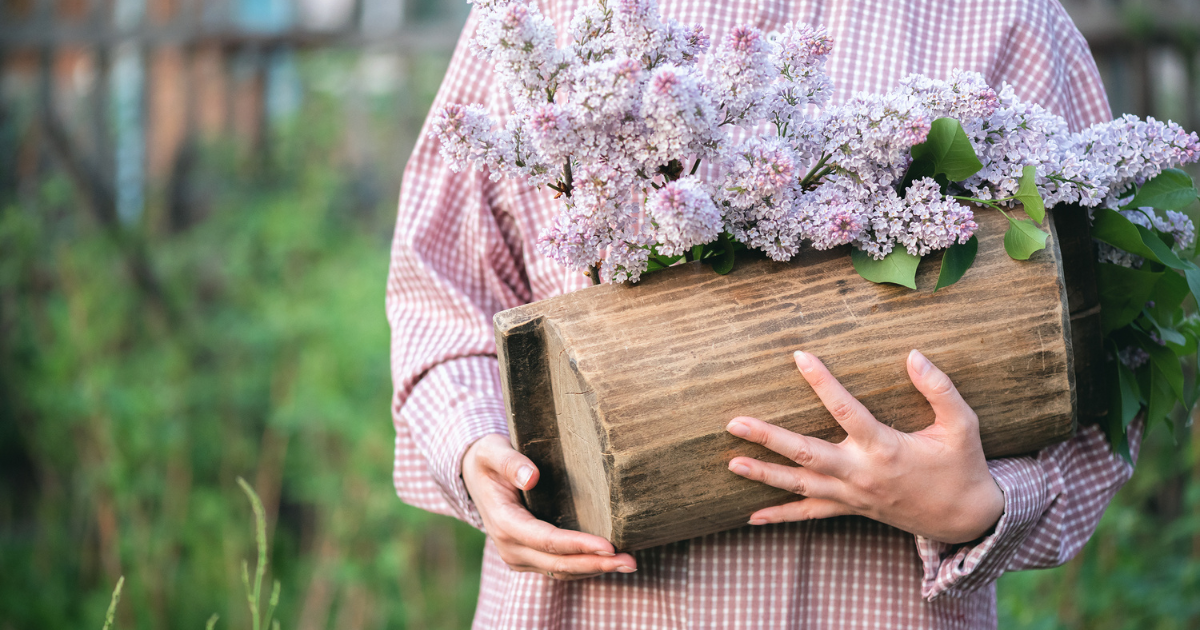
x,y
621,394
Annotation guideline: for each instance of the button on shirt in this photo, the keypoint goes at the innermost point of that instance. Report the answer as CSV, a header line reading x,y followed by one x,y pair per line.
x,y
464,250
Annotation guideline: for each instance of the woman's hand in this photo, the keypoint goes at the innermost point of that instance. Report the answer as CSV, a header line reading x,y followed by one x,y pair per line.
x,y
493,472
934,482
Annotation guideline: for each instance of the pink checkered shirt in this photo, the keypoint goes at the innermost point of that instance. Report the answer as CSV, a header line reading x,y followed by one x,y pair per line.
x,y
464,250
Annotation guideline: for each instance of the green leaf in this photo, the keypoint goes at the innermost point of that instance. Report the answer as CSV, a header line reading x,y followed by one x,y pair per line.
x,y
1161,398
1166,364
1168,294
1023,238
1174,339
898,267
1131,397
1124,401
1111,227
956,261
1170,190
722,262
1123,293
949,150
1028,195
1162,251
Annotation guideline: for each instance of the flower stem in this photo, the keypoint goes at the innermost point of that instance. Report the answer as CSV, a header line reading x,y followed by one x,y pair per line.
x,y
813,175
569,177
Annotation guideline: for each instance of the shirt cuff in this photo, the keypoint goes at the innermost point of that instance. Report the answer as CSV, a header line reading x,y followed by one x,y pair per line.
x,y
452,406
961,569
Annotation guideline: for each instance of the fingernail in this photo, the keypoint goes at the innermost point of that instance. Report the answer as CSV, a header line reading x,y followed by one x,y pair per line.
x,y
757,521
523,475
920,364
606,554
737,428
803,360
625,569
740,469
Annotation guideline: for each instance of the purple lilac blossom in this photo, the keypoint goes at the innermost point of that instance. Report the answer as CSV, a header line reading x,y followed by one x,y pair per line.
x,y
869,138
923,221
626,97
1133,357
741,73
684,215
520,42
1136,151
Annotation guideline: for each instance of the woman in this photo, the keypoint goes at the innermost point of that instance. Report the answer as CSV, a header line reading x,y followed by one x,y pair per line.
x,y
944,523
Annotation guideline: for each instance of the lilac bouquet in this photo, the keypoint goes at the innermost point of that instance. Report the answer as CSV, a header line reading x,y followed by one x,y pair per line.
x,y
665,146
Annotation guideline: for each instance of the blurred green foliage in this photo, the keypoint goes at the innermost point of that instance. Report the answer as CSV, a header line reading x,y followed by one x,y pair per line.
x,y
123,427
125,417
1141,570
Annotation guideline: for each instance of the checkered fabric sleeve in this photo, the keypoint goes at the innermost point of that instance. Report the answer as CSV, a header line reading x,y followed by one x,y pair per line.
x,y
1052,503
452,269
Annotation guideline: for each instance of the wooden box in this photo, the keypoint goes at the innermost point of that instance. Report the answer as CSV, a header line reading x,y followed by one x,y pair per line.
x,y
621,393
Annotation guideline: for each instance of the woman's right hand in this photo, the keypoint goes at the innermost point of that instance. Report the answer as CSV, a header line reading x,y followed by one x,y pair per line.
x,y
494,473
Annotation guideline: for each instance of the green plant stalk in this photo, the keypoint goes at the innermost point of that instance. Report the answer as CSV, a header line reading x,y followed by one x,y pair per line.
x,y
112,604
253,595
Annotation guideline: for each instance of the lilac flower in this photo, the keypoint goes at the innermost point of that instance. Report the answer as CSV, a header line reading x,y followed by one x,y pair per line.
x,y
798,57
680,116
683,44
1136,150
627,257
935,221
520,41
466,136
626,97
1133,357
592,33
606,91
965,97
869,137
759,168
1017,134
684,215
924,221
741,71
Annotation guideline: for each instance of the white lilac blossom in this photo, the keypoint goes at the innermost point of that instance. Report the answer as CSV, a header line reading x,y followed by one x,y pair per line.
x,y
684,215
759,168
798,57
923,221
617,119
519,41
1017,134
680,116
1135,151
466,135
741,72
869,137
965,97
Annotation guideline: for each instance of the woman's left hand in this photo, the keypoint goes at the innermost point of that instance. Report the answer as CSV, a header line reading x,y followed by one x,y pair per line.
x,y
934,483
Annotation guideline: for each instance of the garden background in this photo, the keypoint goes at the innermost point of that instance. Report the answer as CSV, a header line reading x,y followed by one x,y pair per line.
x,y
196,204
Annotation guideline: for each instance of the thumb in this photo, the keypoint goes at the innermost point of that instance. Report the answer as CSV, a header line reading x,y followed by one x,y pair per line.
x,y
519,470
949,408
496,458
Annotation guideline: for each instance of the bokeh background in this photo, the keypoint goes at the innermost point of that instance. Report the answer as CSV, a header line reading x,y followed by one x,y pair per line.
x,y
196,203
